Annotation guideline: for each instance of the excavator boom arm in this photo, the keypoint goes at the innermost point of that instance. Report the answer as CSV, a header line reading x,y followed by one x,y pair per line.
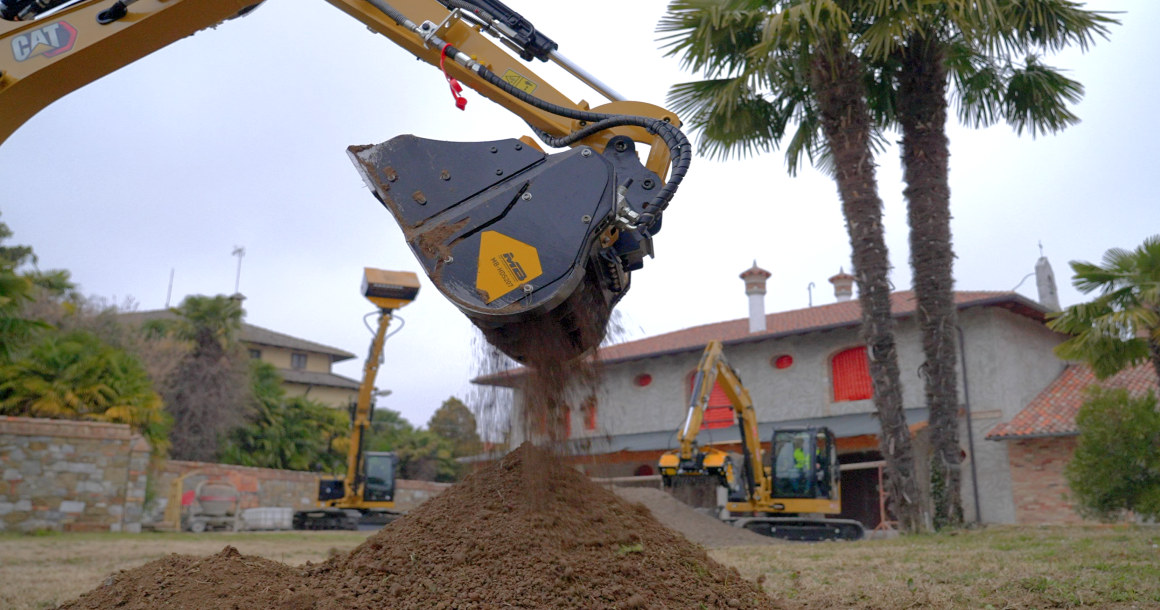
x,y
714,369
42,60
485,204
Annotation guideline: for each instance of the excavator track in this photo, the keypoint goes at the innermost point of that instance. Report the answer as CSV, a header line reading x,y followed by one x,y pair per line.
x,y
802,528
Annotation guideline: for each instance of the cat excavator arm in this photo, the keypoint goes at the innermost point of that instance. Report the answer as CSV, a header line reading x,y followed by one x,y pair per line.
x,y
535,248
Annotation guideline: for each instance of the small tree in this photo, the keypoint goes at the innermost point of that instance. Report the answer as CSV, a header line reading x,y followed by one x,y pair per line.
x,y
426,456
1116,467
286,433
208,392
16,291
454,422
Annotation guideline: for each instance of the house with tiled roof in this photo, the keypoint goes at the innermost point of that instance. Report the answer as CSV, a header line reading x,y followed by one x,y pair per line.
x,y
305,366
1041,439
809,367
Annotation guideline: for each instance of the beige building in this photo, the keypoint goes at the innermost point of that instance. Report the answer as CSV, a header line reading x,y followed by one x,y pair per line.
x,y
305,366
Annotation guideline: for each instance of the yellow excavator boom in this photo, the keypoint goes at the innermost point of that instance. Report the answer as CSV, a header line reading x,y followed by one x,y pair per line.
x,y
482,206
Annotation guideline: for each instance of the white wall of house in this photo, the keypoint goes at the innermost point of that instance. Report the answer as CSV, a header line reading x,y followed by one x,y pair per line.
x,y
1009,361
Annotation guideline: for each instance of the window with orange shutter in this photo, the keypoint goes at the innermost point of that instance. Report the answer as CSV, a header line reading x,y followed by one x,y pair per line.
x,y
719,411
589,410
851,375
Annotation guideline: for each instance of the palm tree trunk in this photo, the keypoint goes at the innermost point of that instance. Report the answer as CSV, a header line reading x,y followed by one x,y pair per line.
x,y
1154,347
846,122
922,112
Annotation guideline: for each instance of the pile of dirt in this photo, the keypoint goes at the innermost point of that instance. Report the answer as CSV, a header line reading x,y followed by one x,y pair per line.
x,y
527,532
226,581
695,525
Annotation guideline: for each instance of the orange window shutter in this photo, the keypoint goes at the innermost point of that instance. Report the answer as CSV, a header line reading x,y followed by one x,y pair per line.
x,y
851,373
590,414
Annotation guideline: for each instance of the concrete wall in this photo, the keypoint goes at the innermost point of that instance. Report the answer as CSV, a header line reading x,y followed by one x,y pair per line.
x,y
71,476
1009,362
1040,487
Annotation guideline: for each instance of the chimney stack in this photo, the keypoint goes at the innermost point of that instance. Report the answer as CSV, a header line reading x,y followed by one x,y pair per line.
x,y
1045,282
843,285
755,288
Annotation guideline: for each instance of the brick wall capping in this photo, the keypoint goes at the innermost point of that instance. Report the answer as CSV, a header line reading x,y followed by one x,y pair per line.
x,y
68,428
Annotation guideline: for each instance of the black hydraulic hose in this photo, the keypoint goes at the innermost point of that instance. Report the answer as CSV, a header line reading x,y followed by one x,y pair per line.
x,y
680,150
677,142
469,7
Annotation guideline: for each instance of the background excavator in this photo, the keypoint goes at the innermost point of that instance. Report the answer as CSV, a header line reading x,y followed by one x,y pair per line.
x,y
788,498
369,483
535,248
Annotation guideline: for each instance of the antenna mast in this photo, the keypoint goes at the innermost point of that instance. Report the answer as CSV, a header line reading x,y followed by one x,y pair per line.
x,y
239,251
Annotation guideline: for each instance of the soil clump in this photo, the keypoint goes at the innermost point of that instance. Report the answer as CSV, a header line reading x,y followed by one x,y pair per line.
x,y
481,545
696,526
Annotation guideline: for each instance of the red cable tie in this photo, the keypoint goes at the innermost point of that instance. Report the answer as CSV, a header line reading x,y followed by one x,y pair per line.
x,y
456,88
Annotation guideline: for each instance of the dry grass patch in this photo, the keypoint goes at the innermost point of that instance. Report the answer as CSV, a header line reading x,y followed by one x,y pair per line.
x,y
992,569
38,572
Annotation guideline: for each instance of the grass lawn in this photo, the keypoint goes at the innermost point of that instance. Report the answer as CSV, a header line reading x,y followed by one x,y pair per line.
x,y
997,568
991,569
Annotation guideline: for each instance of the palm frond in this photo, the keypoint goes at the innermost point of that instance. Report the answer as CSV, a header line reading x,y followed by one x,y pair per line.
x,y
1037,98
1051,25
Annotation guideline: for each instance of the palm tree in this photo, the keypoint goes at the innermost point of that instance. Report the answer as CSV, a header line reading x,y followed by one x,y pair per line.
x,y
208,392
1120,328
15,330
920,51
77,376
775,63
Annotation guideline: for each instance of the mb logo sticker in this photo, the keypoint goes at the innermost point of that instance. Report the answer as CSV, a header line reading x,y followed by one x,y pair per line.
x,y
49,41
517,270
505,264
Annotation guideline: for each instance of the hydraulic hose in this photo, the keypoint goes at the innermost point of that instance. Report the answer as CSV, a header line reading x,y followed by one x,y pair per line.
x,y
680,150
677,142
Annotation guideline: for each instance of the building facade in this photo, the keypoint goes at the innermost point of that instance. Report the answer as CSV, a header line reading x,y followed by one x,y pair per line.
x,y
809,367
305,366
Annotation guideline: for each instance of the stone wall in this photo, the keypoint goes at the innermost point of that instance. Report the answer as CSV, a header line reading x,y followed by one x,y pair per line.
x,y
71,475
267,487
260,487
1040,489
410,494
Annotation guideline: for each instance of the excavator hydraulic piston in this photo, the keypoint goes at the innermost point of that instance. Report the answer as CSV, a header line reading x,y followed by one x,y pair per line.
x,y
534,248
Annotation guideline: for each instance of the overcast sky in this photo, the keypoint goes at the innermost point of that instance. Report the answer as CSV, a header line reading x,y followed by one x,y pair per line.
x,y
237,136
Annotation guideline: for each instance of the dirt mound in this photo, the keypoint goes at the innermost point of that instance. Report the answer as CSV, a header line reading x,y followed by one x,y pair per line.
x,y
226,581
482,545
527,532
696,526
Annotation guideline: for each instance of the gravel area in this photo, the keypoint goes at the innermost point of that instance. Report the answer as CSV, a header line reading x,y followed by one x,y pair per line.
x,y
698,527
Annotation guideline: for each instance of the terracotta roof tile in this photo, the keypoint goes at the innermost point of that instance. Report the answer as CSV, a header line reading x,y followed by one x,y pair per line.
x,y
794,322
798,321
1053,411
